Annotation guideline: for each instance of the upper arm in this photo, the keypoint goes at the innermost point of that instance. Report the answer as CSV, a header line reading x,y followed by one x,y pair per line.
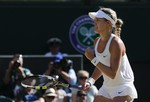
x,y
117,50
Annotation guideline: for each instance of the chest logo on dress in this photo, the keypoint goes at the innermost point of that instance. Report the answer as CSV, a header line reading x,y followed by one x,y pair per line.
x,y
105,55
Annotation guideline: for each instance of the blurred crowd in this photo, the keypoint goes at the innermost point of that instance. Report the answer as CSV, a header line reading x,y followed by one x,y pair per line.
x,y
12,90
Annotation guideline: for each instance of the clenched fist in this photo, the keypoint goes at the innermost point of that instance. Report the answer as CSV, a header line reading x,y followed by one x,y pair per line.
x,y
89,53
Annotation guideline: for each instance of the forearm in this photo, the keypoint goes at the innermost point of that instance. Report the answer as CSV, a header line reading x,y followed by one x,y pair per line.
x,y
65,75
106,70
7,76
21,72
103,69
96,74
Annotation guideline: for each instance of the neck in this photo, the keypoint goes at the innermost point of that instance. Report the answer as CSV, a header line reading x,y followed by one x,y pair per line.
x,y
105,37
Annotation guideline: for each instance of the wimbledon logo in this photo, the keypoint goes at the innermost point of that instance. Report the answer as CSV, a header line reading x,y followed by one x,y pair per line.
x,y
82,33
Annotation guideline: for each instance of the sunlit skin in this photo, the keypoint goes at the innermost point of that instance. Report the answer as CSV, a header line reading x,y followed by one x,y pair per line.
x,y
117,50
100,25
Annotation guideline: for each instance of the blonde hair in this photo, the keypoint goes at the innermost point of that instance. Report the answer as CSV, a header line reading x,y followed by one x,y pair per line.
x,y
83,73
119,24
110,12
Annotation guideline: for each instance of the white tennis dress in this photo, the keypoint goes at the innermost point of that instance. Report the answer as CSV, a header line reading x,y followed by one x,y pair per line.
x,y
122,84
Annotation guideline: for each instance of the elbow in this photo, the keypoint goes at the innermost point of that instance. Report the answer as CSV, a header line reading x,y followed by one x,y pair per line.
x,y
113,75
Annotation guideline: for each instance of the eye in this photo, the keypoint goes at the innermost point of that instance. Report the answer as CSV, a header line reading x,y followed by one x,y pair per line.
x,y
96,20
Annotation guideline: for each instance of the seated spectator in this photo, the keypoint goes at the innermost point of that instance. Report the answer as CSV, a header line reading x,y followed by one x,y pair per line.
x,y
81,96
50,95
61,95
82,76
54,45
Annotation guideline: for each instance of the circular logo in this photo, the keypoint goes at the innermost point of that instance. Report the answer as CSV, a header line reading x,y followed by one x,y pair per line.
x,y
82,33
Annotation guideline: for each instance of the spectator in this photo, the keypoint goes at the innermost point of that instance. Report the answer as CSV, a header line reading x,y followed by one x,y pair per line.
x,y
83,76
52,95
14,74
81,96
61,95
63,67
54,45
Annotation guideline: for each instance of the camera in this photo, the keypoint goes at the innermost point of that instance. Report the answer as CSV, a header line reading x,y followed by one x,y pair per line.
x,y
63,63
16,64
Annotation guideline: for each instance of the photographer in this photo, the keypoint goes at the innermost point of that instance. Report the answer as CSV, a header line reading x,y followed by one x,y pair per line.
x,y
64,68
14,74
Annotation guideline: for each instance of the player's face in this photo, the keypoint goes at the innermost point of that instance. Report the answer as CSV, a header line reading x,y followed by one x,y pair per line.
x,y
100,24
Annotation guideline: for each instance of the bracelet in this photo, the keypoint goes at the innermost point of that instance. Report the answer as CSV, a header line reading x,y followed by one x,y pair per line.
x,y
91,81
94,61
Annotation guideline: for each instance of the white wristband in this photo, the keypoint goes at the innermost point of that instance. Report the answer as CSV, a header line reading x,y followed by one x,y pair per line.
x,y
94,61
91,81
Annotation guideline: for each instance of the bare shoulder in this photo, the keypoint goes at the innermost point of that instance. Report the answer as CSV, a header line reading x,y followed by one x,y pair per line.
x,y
117,43
117,40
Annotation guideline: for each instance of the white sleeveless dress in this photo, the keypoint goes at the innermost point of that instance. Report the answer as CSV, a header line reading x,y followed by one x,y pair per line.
x,y
122,84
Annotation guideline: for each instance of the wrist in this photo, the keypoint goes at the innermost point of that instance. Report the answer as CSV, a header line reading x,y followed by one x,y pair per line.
x,y
95,61
91,81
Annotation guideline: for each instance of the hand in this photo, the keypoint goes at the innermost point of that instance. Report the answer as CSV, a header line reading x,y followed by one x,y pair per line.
x,y
89,54
87,86
49,69
50,65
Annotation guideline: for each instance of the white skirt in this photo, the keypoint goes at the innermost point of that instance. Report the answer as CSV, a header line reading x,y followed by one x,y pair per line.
x,y
120,90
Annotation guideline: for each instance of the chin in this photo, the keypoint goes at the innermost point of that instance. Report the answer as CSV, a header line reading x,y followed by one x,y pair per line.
x,y
96,31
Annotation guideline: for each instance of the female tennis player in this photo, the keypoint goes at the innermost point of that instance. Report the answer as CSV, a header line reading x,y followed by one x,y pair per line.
x,y
111,61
